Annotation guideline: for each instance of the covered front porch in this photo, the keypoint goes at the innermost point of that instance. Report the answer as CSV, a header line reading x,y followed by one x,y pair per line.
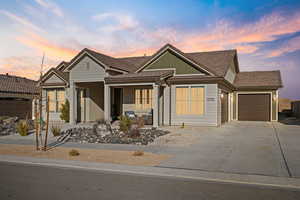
x,y
140,100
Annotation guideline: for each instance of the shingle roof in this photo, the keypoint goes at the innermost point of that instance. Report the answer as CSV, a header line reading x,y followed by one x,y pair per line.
x,y
258,79
216,62
110,61
15,84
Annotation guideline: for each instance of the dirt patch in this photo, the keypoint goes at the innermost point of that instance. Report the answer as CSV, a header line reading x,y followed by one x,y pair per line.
x,y
91,155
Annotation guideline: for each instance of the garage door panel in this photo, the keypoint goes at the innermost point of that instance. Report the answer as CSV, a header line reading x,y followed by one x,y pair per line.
x,y
254,107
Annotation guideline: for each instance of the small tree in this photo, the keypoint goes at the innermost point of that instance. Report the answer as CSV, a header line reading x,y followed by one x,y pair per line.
x,y
65,111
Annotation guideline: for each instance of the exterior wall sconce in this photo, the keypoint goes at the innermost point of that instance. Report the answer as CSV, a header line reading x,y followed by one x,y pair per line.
x,y
222,95
274,97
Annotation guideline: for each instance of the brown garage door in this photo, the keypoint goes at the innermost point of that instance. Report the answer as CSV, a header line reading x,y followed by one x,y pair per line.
x,y
254,107
224,108
16,107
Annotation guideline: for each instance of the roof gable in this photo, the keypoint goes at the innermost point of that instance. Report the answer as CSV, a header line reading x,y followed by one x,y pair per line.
x,y
169,60
54,76
179,54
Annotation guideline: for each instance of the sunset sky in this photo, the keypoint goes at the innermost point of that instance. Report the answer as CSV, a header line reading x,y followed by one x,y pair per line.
x,y
265,33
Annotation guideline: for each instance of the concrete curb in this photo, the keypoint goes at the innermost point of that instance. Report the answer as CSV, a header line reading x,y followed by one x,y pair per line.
x,y
255,180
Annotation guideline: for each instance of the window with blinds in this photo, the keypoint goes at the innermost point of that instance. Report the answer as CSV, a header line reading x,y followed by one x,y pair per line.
x,y
56,99
190,100
143,99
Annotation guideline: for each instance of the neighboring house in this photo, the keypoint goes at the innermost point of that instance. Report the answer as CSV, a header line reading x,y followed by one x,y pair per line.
x,y
16,95
200,88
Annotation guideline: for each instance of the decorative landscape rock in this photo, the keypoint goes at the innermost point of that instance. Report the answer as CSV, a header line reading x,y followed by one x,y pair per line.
x,y
100,133
8,125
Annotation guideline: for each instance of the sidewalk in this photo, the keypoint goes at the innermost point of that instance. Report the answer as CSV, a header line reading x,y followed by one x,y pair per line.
x,y
264,181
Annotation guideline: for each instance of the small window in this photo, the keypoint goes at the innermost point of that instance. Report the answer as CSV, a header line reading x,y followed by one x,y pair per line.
x,y
56,99
190,100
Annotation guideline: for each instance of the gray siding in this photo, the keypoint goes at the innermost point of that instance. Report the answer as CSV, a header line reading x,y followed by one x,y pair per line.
x,y
54,79
209,118
87,70
230,74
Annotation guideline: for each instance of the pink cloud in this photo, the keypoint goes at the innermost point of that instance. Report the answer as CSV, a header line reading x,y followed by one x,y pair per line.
x,y
54,51
289,46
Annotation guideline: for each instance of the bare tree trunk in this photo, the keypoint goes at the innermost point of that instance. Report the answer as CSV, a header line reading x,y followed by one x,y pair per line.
x,y
47,124
41,118
36,124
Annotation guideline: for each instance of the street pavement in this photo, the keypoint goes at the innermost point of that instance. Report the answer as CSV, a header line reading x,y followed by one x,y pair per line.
x,y
25,181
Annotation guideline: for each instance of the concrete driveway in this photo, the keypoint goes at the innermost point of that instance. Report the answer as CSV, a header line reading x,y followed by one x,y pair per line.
x,y
261,148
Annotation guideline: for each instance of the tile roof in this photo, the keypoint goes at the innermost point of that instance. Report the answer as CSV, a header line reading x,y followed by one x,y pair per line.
x,y
15,84
258,79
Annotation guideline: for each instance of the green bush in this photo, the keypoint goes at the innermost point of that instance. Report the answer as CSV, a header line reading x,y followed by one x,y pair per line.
x,y
74,152
55,131
65,111
125,123
22,128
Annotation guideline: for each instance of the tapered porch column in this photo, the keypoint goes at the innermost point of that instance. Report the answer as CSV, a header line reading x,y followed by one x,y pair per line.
x,y
155,105
107,103
73,103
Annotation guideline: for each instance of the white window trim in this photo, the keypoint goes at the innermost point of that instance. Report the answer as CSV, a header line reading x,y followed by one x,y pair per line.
x,y
204,99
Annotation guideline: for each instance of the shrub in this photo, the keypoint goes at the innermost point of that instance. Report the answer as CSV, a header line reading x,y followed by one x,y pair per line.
x,y
140,122
74,152
138,153
55,131
22,128
65,111
182,125
125,123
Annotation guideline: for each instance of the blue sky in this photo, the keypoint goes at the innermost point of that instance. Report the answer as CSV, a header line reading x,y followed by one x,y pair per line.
x,y
265,33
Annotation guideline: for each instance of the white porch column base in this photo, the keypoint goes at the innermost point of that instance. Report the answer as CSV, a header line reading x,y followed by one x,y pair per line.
x,y
155,105
107,103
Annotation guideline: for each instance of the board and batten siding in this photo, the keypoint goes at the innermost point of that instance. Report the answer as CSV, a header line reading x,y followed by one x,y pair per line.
x,y
169,60
209,118
87,70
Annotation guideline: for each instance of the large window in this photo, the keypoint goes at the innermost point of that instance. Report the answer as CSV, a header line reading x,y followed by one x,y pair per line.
x,y
190,100
143,99
56,99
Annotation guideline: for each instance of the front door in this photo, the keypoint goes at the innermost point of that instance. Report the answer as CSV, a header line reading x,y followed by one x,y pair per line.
x,y
117,103
81,105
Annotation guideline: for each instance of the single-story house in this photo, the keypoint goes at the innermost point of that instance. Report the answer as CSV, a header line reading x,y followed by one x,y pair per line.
x,y
199,88
16,95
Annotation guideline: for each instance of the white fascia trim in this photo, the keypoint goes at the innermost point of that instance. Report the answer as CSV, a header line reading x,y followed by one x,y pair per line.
x,y
250,92
163,51
56,75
